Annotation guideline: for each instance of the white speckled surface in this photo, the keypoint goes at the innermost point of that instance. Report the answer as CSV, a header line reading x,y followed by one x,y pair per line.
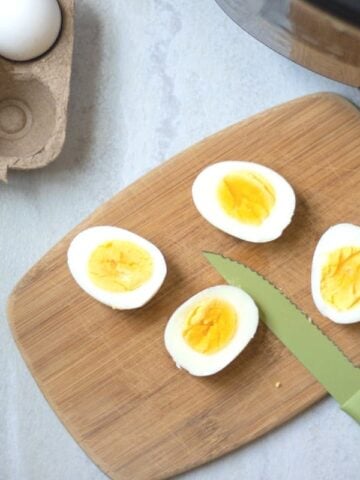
x,y
150,78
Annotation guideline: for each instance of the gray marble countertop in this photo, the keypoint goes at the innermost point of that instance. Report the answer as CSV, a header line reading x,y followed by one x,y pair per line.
x,y
150,77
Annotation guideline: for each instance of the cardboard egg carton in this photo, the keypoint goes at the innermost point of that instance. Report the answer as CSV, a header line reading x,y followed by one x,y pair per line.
x,y
33,102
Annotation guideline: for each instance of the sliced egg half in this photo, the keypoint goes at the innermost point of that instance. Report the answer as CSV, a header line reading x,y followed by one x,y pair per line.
x,y
210,329
335,276
116,267
244,199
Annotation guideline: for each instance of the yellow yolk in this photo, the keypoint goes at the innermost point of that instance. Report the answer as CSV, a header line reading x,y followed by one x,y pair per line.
x,y
246,196
119,266
340,278
210,325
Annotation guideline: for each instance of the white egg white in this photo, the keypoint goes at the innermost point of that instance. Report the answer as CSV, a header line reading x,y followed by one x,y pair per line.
x,y
28,28
337,236
204,192
199,364
83,245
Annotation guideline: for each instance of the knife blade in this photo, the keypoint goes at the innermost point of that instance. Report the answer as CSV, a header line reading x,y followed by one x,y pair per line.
x,y
297,332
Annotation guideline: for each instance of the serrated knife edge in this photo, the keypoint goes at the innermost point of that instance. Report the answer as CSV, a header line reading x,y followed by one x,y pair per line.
x,y
311,346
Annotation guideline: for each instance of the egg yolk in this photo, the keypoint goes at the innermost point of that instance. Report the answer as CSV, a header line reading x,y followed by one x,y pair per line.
x,y
119,266
246,196
340,278
210,325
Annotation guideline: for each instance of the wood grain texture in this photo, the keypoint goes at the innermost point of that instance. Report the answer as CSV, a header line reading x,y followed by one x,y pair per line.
x,y
106,373
324,43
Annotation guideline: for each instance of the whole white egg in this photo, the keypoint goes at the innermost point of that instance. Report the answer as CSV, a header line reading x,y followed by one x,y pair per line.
x,y
335,275
244,199
116,267
28,28
210,329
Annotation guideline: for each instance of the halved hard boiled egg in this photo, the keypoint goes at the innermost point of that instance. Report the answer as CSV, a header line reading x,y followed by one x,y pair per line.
x,y
335,276
244,199
210,329
116,267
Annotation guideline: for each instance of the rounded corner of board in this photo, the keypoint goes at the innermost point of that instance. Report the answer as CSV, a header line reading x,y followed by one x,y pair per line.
x,y
337,98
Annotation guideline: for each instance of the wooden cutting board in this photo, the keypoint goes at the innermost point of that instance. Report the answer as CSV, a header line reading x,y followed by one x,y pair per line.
x,y
106,373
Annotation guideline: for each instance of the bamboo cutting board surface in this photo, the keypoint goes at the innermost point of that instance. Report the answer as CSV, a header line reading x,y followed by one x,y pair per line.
x,y
106,373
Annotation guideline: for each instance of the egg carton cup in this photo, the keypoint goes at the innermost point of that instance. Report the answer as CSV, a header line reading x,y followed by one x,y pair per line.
x,y
33,102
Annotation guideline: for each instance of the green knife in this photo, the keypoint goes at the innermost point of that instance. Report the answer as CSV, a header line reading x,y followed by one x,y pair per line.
x,y
297,332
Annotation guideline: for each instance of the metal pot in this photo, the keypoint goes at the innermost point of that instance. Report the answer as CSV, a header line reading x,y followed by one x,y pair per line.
x,y
322,35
